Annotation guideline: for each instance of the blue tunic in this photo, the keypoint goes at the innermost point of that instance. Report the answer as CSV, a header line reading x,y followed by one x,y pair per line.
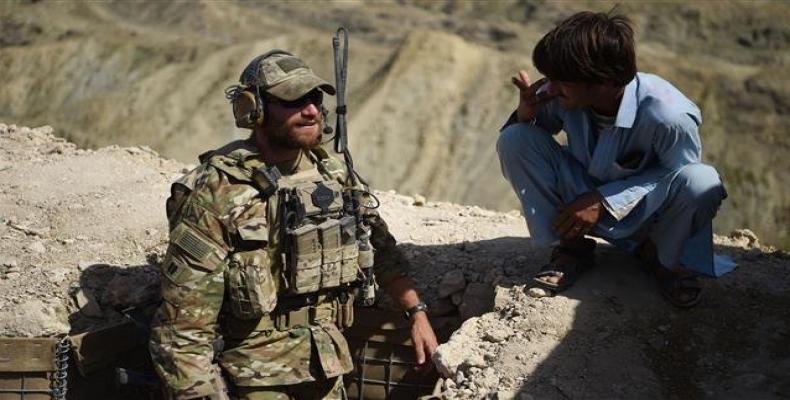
x,y
647,167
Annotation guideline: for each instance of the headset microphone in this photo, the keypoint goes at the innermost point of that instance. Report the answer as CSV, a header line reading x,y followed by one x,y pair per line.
x,y
327,129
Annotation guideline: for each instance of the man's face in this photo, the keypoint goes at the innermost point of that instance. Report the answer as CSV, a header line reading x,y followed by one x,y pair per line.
x,y
294,124
576,95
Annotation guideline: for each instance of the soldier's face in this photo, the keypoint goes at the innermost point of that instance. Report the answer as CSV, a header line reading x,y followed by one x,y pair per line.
x,y
296,124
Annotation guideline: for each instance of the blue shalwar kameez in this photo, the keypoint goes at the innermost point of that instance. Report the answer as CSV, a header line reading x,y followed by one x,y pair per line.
x,y
664,193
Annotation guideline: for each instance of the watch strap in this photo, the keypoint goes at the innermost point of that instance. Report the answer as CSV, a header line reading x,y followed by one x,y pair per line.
x,y
421,306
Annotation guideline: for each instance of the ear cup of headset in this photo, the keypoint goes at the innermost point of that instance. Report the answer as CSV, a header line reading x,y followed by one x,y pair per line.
x,y
247,111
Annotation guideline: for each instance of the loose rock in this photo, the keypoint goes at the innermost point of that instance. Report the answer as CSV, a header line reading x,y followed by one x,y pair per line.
x,y
451,282
37,247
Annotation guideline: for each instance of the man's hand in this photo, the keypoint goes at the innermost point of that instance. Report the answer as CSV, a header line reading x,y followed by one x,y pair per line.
x,y
402,290
577,218
528,100
423,338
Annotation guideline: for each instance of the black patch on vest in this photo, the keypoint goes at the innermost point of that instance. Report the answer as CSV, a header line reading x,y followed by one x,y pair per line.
x,y
323,197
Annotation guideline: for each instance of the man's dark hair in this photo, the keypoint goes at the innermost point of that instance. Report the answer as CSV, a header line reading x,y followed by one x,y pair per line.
x,y
588,47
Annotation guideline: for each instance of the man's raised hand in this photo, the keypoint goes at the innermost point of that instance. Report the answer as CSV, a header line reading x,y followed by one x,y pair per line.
x,y
528,101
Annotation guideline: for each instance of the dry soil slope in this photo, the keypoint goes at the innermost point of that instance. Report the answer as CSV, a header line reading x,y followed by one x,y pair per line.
x,y
428,82
442,144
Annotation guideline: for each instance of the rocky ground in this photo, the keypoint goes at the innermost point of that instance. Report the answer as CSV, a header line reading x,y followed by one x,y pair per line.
x,y
82,230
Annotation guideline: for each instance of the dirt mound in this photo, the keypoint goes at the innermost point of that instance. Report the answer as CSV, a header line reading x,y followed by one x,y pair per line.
x,y
83,229
70,220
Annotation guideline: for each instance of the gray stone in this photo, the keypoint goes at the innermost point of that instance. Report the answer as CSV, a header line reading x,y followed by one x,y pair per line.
x,y
489,379
459,377
746,235
457,298
475,360
537,292
451,282
419,200
498,335
502,297
478,300
37,247
441,307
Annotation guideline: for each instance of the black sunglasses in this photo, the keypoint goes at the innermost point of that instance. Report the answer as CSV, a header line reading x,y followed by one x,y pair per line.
x,y
315,97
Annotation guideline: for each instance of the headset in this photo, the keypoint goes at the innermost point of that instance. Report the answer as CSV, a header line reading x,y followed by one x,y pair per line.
x,y
247,99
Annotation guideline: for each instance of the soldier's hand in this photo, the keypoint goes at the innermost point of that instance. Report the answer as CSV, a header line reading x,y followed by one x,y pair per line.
x,y
529,100
424,339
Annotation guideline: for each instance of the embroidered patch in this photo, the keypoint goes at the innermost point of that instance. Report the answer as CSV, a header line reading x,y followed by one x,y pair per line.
x,y
193,245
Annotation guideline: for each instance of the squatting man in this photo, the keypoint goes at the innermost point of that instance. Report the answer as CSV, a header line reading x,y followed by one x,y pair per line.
x,y
268,245
631,172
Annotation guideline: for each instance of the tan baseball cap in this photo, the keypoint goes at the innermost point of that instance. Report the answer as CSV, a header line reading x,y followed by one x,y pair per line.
x,y
283,75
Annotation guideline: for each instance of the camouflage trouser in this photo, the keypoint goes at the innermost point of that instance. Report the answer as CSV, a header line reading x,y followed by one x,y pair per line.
x,y
330,389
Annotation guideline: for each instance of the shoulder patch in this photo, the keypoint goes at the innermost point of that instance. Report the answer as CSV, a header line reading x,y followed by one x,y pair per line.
x,y
195,245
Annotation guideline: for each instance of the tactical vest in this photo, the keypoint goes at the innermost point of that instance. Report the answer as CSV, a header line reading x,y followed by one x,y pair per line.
x,y
301,245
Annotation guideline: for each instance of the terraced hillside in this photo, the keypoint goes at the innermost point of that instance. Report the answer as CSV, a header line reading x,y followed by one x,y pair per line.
x,y
428,82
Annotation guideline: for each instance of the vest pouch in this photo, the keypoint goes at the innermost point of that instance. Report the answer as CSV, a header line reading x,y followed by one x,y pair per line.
x,y
250,285
345,313
305,259
365,258
332,251
350,250
349,266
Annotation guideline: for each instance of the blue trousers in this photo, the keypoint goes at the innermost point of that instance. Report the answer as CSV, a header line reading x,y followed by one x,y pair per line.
x,y
676,215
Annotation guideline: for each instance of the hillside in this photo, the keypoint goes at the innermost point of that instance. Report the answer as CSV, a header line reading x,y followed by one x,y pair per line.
x,y
83,230
428,82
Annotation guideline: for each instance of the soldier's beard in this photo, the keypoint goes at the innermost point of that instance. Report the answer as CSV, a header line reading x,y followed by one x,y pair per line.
x,y
290,138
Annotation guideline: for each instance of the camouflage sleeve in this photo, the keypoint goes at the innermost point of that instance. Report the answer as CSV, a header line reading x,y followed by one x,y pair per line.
x,y
183,329
389,262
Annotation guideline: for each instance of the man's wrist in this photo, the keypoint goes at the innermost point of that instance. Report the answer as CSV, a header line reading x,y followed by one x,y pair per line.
x,y
411,312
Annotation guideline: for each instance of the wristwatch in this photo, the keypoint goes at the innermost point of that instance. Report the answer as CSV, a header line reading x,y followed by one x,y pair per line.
x,y
414,310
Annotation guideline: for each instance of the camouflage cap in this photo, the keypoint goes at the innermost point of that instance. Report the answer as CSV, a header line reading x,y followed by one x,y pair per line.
x,y
283,75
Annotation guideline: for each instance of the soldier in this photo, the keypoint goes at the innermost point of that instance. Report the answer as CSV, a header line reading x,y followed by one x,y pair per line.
x,y
267,253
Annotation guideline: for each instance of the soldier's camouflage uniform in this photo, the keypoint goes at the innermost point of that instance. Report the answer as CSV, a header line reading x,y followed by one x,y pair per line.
x,y
219,222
